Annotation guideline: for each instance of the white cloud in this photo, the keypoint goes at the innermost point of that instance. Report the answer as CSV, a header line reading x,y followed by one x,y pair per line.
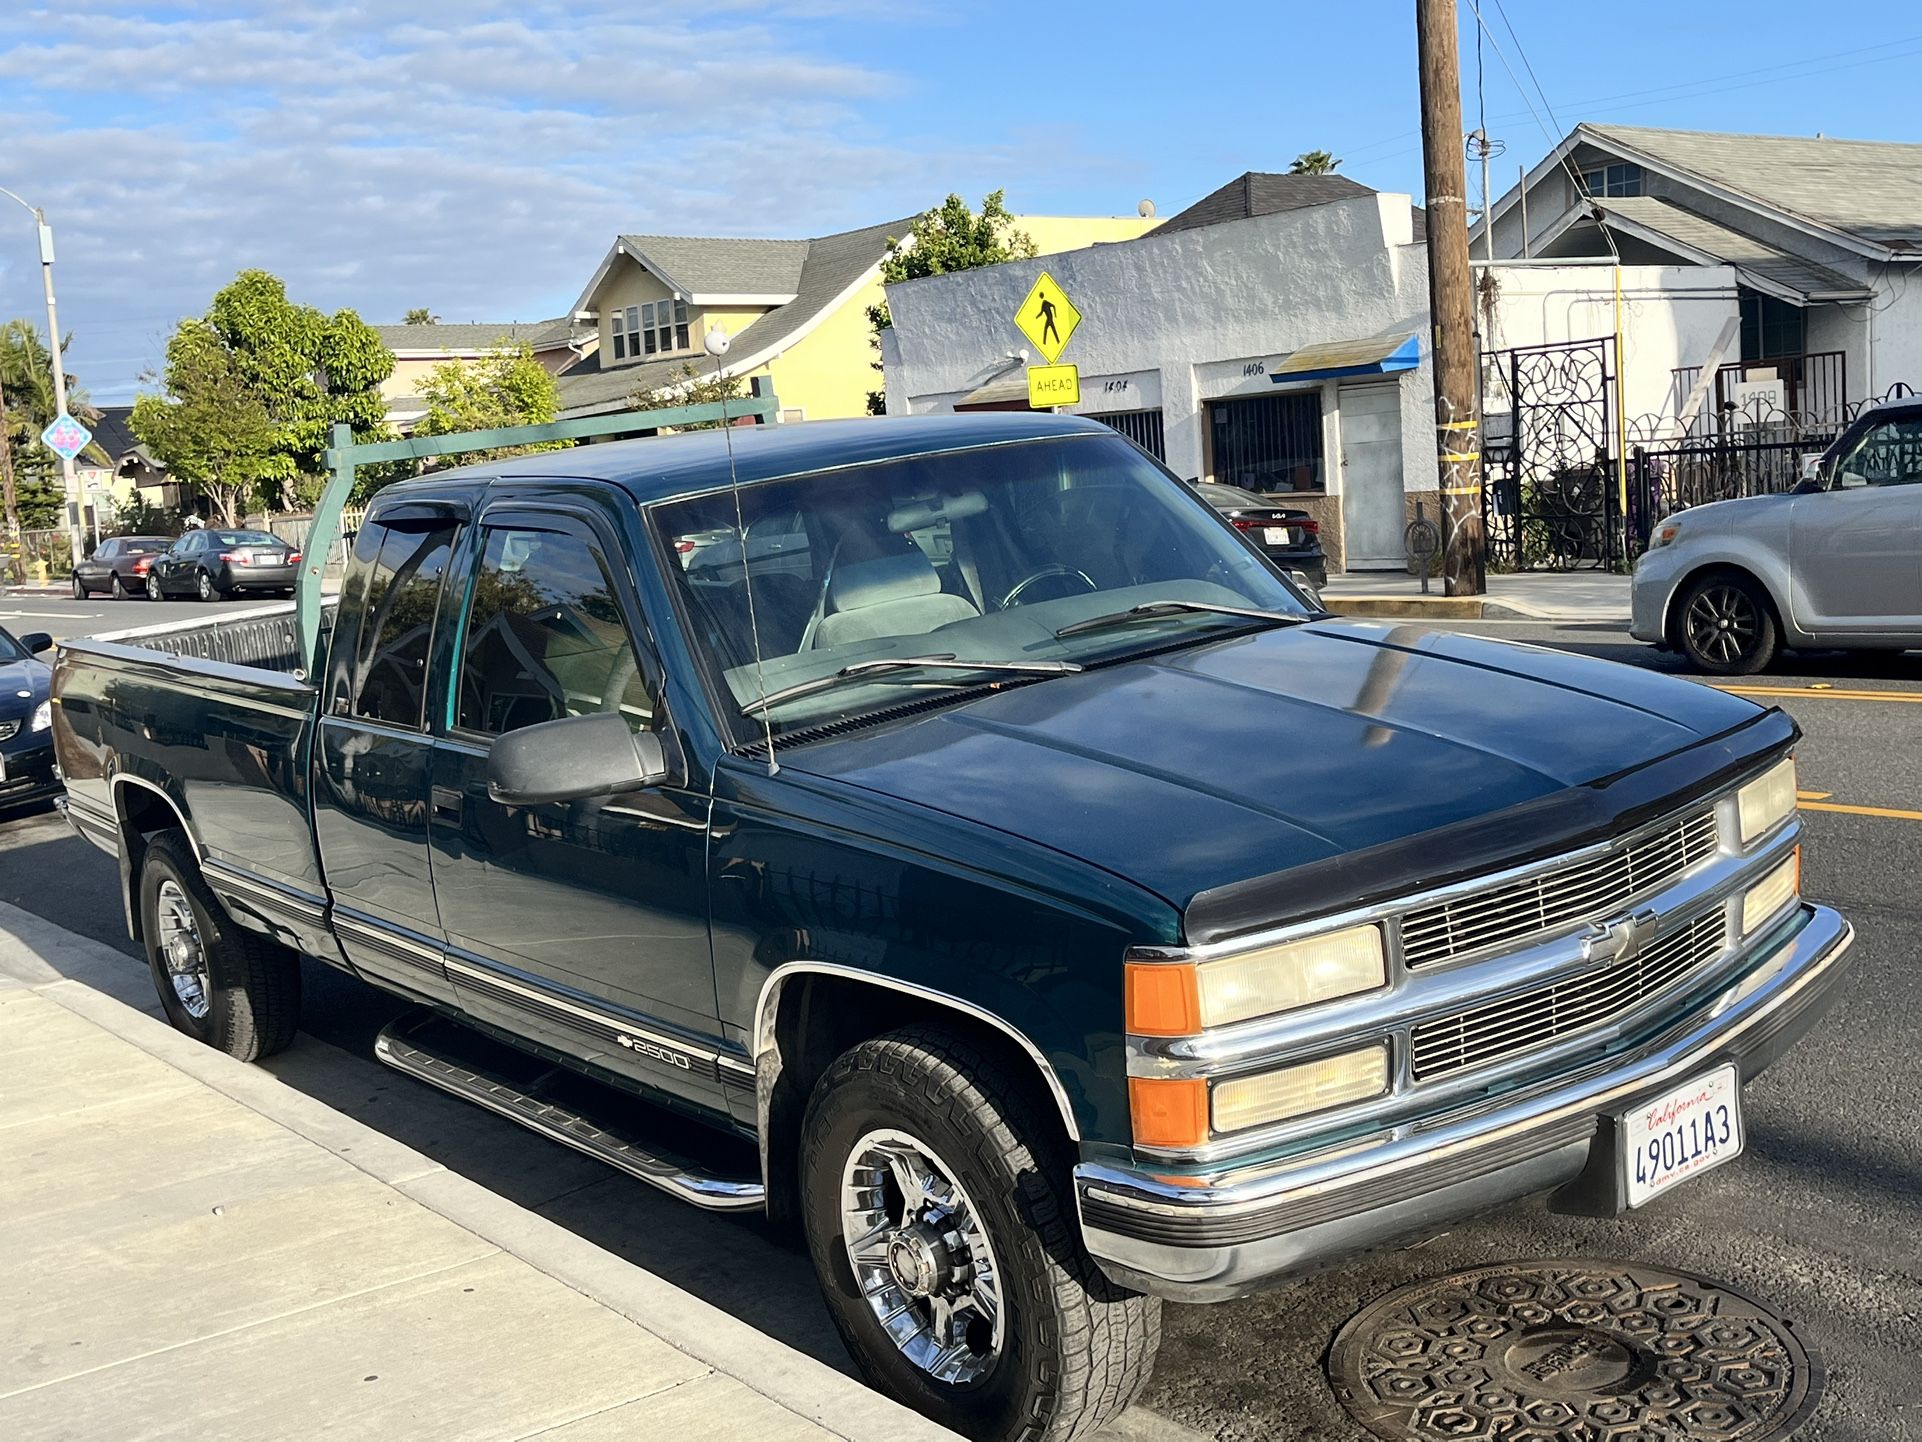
x,y
473,156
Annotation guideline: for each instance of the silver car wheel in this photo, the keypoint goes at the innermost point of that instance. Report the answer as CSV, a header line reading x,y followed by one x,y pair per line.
x,y
1722,623
921,1257
182,950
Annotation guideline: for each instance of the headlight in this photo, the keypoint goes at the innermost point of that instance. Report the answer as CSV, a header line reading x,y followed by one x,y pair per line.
x,y
1179,999
42,717
1665,531
1296,1091
1767,801
1773,892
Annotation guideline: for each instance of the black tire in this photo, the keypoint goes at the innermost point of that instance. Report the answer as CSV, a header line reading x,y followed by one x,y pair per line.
x,y
207,587
79,587
1076,1348
119,588
1725,624
251,1008
154,593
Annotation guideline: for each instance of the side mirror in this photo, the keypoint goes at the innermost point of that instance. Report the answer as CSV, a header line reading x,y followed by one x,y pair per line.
x,y
36,642
572,759
1306,587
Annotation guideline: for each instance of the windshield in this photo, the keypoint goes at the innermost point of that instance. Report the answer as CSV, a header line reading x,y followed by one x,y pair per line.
x,y
981,555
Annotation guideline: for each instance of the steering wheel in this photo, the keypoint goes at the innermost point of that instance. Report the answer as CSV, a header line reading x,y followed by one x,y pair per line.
x,y
1013,598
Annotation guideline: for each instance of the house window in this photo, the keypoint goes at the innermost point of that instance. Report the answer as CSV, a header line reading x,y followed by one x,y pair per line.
x,y
1268,443
1771,329
620,338
664,326
1608,181
634,336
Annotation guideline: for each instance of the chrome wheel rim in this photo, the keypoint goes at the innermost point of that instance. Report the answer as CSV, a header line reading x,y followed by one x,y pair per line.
x,y
921,1257
182,952
1722,624
206,587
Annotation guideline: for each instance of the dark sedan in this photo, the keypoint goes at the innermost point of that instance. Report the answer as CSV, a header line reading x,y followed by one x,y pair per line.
x,y
118,566
214,564
26,720
1290,538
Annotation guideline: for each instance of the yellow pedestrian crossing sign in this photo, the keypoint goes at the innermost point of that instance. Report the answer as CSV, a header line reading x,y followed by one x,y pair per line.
x,y
1047,317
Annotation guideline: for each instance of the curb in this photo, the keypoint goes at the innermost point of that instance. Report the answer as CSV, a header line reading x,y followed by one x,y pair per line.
x,y
98,983
1434,608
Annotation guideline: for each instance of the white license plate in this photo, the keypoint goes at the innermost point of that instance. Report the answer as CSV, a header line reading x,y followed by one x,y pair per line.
x,y
1277,535
1682,1134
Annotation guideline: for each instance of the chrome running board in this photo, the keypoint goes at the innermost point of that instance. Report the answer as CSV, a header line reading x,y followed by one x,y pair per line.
x,y
446,1055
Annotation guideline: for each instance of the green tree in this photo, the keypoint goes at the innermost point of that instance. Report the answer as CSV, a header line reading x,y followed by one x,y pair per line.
x,y
1314,162
506,387
30,475
691,387
948,238
307,372
212,429
420,315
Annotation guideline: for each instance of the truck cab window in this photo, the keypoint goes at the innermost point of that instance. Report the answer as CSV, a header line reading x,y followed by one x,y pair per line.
x,y
395,587
545,638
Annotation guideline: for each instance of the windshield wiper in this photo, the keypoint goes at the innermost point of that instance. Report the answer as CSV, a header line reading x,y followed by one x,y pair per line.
x,y
1150,610
887,665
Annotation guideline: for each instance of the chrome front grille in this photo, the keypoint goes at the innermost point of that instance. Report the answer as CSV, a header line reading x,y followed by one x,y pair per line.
x,y
1559,899
7,730
1546,1014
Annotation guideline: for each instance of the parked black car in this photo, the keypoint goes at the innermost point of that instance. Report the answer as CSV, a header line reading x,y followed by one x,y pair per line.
x,y
1289,537
26,720
217,564
118,566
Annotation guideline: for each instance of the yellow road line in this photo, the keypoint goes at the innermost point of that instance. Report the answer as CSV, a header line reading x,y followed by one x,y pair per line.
x,y
1813,795
1891,812
1913,697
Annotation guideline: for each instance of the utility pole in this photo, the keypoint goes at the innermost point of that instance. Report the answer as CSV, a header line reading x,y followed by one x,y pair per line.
x,y
1451,300
76,538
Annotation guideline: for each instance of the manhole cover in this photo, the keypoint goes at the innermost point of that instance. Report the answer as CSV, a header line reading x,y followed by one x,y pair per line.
x,y
1573,1351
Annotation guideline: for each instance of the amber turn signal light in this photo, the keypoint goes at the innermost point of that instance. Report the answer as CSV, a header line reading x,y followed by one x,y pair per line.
x,y
1162,999
1169,1111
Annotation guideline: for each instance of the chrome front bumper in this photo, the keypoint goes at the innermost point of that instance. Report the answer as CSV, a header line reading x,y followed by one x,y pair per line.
x,y
1209,1239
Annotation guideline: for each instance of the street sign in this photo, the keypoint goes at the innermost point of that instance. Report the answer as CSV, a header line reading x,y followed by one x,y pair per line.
x,y
66,437
1053,386
1047,317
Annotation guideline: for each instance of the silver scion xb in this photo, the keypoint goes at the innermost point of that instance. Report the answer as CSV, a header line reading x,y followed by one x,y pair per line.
x,y
1837,563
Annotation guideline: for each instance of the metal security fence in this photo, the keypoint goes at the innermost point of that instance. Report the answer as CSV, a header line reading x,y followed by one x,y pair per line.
x,y
1143,427
1551,497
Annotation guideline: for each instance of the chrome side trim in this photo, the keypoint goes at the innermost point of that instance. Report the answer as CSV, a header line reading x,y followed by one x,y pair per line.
x,y
122,778
397,943
303,906
767,1008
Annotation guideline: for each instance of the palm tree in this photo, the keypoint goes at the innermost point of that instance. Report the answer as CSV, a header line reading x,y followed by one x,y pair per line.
x,y
29,406
1314,162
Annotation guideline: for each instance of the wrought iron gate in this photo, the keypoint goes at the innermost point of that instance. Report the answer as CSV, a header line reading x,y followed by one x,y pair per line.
x,y
1548,451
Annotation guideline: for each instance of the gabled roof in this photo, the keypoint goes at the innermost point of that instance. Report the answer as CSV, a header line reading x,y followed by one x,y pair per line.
x,y
701,268
468,337
834,267
1861,195
113,433
1870,189
1706,241
1257,192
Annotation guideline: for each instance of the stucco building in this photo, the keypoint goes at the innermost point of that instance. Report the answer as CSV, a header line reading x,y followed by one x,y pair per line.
x,y
1272,336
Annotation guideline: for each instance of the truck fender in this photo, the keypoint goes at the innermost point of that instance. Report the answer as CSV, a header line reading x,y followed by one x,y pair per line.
x,y
149,801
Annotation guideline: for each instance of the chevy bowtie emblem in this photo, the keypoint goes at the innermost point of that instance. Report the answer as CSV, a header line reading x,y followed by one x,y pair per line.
x,y
1620,940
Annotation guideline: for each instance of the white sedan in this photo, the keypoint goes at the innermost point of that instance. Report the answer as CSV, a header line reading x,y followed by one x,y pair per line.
x,y
1837,563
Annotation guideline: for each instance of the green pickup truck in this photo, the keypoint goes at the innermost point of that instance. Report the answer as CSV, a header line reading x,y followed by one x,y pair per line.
x,y
1041,904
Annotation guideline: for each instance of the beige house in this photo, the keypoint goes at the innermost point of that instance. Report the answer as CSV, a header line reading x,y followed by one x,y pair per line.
x,y
557,344
796,311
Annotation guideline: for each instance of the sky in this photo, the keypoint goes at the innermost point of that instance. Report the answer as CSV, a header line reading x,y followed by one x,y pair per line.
x,y
477,157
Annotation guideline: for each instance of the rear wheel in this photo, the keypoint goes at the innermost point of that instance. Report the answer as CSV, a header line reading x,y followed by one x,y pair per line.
x,y
1726,626
119,588
208,590
935,1194
79,587
219,983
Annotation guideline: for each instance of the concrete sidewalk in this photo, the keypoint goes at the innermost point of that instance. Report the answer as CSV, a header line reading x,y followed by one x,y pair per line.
x,y
196,1249
1552,596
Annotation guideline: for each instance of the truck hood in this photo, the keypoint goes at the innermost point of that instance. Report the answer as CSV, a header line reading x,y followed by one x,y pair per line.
x,y
1211,765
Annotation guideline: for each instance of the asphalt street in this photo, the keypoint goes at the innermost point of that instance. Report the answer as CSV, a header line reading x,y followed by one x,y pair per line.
x,y
1819,1218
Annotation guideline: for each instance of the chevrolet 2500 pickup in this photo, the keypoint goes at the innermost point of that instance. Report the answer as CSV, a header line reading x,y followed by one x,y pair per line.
x,y
958,813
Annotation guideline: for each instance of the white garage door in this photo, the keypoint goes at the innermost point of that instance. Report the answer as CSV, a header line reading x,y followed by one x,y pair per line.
x,y
1372,515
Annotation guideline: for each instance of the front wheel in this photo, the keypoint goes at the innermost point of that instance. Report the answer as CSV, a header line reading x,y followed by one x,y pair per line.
x,y
1726,626
219,983
937,1207
154,593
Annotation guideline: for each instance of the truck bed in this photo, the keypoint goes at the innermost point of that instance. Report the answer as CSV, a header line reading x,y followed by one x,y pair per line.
x,y
202,724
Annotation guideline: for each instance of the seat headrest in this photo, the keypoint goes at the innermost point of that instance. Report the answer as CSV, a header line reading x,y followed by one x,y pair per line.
x,y
875,583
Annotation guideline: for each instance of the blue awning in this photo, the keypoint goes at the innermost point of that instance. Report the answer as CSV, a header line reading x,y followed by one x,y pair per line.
x,y
1375,356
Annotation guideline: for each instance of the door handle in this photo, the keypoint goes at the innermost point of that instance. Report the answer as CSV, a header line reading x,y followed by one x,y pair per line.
x,y
446,803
